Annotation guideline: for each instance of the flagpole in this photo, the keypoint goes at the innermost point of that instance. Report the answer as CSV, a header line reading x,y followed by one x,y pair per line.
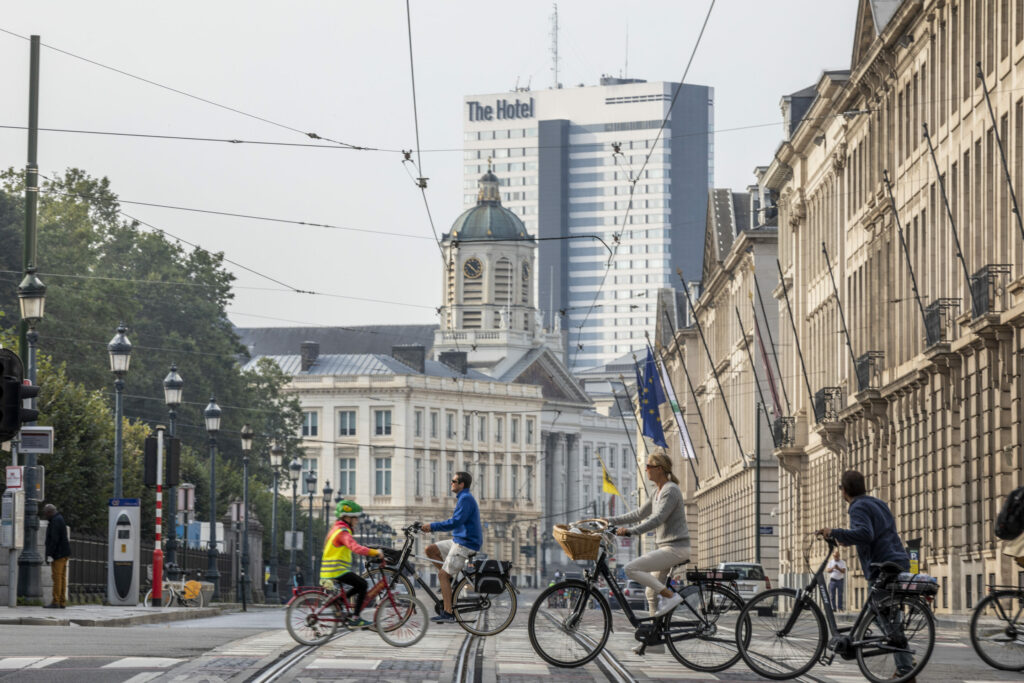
x,y
640,471
711,362
753,370
796,339
776,406
771,340
696,403
622,416
679,428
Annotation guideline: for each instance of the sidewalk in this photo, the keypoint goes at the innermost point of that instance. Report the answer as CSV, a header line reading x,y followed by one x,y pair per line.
x,y
104,615
955,622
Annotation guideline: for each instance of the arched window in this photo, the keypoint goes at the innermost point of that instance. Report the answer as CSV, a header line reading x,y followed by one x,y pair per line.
x,y
472,292
527,278
502,287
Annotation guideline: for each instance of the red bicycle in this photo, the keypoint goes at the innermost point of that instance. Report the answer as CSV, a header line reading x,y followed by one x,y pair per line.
x,y
399,617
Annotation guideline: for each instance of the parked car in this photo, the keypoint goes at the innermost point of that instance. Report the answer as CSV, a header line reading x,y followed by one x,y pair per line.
x,y
634,594
751,578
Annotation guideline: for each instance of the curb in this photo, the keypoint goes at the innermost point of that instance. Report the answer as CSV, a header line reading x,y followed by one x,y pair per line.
x,y
179,614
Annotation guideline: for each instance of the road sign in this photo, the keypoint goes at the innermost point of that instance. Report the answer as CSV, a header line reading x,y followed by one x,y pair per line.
x,y
767,530
293,540
15,476
36,439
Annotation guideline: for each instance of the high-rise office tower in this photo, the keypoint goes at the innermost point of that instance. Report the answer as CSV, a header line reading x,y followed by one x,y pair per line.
x,y
567,159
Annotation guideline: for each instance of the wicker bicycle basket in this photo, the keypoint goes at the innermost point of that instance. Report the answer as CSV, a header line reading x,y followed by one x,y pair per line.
x,y
578,546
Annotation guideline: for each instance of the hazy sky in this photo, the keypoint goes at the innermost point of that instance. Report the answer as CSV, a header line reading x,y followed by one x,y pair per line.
x,y
341,69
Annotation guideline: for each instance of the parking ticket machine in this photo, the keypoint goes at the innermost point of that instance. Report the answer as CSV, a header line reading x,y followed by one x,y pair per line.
x,y
123,551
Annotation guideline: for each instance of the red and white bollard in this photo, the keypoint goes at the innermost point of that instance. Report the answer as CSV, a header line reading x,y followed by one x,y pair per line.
x,y
158,552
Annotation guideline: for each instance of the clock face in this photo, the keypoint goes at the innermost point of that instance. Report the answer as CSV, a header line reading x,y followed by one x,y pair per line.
x,y
526,271
472,268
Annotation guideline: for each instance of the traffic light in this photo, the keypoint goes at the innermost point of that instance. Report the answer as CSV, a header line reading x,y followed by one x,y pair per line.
x,y
13,391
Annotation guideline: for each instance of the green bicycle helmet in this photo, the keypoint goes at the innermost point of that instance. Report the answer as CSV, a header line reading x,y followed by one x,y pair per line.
x,y
348,508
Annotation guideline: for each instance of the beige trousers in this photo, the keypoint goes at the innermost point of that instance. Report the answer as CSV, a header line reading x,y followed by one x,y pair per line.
x,y
651,570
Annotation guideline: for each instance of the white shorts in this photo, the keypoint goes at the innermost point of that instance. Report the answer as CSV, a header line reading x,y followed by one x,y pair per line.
x,y
454,555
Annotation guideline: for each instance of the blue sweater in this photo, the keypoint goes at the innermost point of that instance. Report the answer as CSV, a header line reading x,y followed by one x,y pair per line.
x,y
465,522
873,532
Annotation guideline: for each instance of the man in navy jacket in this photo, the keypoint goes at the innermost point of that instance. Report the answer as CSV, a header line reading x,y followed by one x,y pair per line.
x,y
467,538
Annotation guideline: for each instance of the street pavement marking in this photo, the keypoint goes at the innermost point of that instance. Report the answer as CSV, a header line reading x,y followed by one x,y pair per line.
x,y
46,662
143,663
143,677
359,664
19,662
520,668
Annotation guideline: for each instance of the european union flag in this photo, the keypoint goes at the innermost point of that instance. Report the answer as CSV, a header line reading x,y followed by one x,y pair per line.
x,y
650,401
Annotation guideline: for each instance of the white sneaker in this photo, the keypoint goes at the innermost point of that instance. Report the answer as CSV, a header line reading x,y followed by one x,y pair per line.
x,y
668,604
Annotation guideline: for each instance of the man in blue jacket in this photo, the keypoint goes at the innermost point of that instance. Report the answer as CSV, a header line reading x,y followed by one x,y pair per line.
x,y
873,532
467,538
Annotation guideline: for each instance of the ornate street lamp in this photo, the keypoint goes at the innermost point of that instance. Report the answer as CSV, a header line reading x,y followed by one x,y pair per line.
x,y
212,416
276,458
311,491
246,447
173,389
120,352
294,472
32,302
327,491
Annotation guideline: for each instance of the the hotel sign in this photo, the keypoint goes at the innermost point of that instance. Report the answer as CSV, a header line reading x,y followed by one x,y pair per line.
x,y
502,109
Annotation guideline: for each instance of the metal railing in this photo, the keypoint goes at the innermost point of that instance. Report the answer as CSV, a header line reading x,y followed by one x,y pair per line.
x,y
987,289
827,404
869,370
785,432
938,320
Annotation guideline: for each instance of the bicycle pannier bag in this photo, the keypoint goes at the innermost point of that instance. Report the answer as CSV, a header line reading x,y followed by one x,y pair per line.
x,y
1010,522
490,577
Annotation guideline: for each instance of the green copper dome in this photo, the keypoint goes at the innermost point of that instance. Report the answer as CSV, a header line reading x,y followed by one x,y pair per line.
x,y
488,220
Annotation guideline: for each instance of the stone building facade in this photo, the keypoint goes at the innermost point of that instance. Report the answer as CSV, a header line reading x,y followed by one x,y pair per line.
x,y
924,396
731,502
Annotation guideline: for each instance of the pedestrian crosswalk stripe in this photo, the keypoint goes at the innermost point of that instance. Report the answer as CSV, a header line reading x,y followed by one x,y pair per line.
x,y
143,677
46,662
143,663
357,664
21,662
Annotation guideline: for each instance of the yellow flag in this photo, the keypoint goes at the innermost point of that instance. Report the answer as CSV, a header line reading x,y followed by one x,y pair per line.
x,y
606,483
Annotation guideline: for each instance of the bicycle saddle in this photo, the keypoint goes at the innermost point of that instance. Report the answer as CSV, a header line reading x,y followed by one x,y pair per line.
x,y
887,567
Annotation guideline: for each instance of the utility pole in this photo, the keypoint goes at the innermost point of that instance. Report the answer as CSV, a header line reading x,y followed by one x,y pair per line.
x,y
30,561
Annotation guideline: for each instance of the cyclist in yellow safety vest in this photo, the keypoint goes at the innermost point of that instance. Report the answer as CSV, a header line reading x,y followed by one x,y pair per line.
x,y
336,564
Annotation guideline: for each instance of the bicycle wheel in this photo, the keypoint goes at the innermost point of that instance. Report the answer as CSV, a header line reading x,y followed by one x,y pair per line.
x,y
569,629
904,652
483,614
192,594
701,630
400,583
165,597
401,620
310,620
997,630
766,649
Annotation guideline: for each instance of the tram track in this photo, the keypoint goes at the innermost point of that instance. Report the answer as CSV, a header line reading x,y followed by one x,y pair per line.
x,y
289,660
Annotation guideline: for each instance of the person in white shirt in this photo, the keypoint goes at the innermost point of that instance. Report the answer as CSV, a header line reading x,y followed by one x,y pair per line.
x,y
837,579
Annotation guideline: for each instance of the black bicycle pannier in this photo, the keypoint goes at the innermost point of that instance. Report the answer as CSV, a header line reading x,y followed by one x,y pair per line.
x,y
491,576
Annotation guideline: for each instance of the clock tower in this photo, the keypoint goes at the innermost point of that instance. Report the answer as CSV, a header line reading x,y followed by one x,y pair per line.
x,y
489,289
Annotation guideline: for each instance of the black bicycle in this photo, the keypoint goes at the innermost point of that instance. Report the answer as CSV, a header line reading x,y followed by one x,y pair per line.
x,y
483,601
997,628
571,620
892,638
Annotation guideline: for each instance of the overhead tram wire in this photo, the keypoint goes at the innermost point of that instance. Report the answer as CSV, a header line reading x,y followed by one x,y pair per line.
x,y
312,135
634,180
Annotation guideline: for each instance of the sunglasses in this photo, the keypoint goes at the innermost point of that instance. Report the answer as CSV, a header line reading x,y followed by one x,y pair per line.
x,y
456,481
649,466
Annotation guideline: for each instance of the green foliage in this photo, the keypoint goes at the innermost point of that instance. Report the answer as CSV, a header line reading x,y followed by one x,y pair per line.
x,y
102,268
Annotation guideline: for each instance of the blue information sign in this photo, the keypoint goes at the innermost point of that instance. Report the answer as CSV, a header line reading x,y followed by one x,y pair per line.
x,y
767,530
124,502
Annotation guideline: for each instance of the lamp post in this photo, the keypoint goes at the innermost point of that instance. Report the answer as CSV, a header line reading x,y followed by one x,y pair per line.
x,y
327,491
294,471
311,491
173,384
120,351
246,447
32,302
276,457
212,416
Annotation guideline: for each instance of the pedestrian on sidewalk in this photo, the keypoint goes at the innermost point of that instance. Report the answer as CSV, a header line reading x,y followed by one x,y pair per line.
x,y
58,550
837,580
298,578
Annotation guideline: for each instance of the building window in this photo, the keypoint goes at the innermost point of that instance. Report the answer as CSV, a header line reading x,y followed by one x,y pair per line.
x,y
498,492
967,586
467,427
515,429
346,476
611,457
449,424
435,419
383,422
515,482
346,423
419,424
528,471
529,431
418,478
586,455
482,476
308,465
481,429
309,423
498,424
382,476
451,475
433,478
